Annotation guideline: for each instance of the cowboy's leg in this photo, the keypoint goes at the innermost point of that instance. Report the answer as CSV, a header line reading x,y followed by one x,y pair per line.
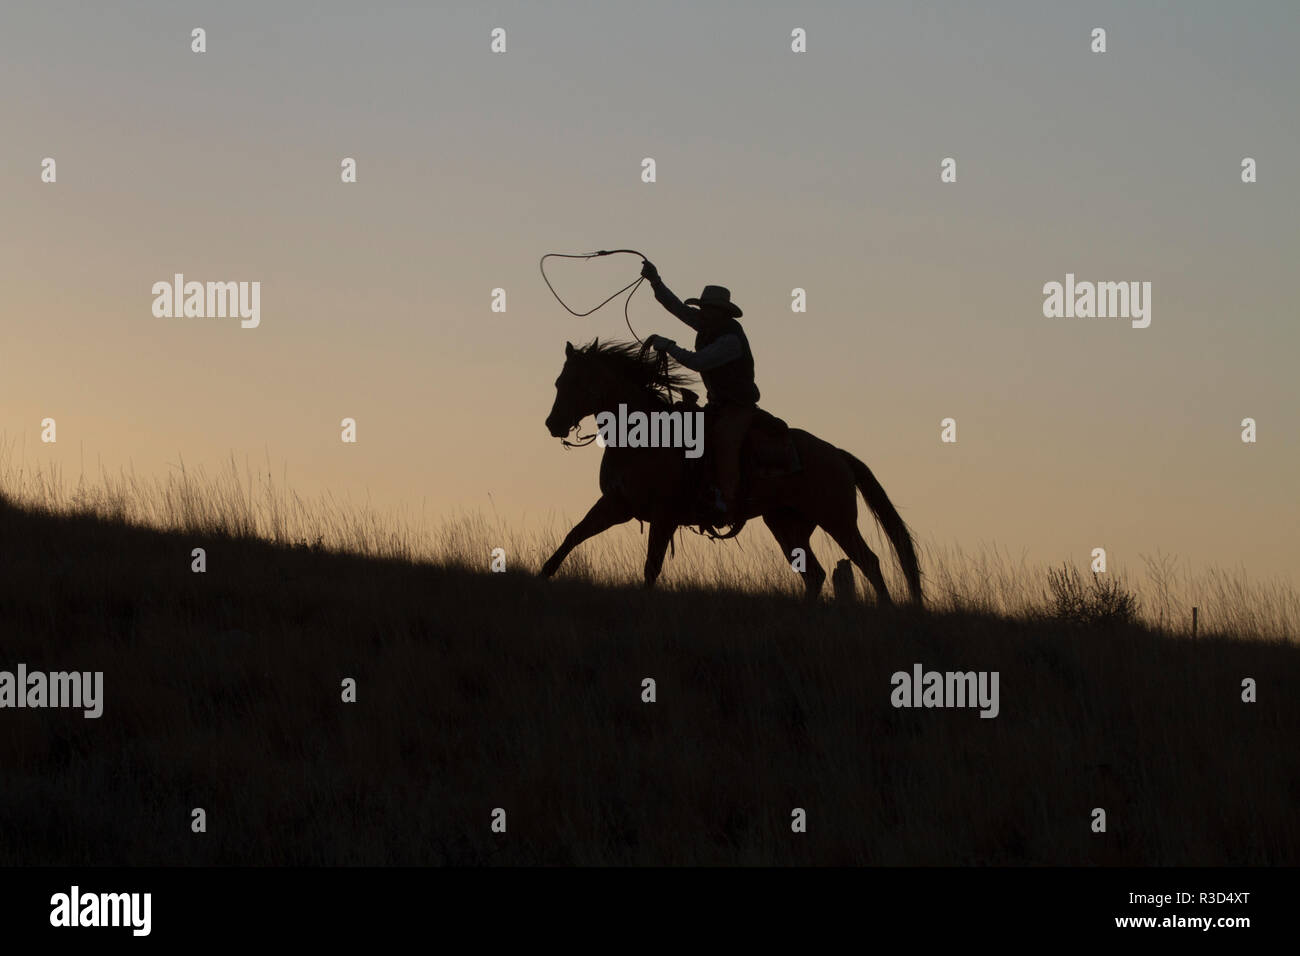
x,y
729,434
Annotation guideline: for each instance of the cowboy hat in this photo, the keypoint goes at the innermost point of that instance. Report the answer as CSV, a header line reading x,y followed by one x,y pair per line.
x,y
718,297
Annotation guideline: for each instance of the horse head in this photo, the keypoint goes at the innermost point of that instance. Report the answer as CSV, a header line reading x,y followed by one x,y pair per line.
x,y
597,377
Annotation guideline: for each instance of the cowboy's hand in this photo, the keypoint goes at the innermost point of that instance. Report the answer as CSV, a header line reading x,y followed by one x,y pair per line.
x,y
661,344
648,270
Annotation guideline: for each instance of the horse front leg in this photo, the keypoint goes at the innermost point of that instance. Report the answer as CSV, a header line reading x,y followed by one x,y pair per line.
x,y
602,516
661,535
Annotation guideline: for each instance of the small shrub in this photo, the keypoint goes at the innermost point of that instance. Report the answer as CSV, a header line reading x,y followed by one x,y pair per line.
x,y
1104,603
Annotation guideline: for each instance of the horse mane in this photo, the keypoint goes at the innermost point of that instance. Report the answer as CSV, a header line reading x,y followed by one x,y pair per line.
x,y
639,364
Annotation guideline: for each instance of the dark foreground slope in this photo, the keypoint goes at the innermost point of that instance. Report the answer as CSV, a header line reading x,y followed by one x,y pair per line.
x,y
478,691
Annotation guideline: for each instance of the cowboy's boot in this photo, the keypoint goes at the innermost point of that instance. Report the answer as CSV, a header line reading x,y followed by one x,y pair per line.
x,y
721,511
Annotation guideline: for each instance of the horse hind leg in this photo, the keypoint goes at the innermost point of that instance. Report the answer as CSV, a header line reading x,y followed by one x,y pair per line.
x,y
850,539
792,531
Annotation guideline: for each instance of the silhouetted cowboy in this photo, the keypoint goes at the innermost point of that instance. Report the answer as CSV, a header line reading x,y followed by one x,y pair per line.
x,y
725,363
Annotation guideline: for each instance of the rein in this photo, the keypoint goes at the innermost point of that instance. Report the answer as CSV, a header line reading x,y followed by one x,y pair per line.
x,y
582,442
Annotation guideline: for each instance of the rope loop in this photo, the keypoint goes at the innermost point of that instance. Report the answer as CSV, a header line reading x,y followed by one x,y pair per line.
x,y
634,285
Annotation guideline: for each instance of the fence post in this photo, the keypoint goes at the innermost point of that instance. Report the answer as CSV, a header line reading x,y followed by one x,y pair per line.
x,y
1194,616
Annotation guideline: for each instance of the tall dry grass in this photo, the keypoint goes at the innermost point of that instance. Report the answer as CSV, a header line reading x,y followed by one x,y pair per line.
x,y
249,502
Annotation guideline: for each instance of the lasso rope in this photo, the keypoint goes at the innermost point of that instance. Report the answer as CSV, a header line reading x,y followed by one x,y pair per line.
x,y
592,255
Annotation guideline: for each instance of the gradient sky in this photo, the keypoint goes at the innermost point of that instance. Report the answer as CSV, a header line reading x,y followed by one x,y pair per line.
x,y
775,170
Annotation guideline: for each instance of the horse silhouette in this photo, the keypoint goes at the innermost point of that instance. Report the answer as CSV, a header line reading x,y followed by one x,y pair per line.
x,y
660,485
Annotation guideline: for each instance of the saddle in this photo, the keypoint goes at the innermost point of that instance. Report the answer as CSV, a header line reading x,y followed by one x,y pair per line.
x,y
768,452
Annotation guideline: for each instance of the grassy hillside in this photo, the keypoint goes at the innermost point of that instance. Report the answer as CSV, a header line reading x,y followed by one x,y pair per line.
x,y
477,691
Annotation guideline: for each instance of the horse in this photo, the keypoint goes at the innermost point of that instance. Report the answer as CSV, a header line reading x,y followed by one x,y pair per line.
x,y
658,486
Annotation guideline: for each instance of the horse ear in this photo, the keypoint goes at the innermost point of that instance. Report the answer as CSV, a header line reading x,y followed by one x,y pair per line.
x,y
568,350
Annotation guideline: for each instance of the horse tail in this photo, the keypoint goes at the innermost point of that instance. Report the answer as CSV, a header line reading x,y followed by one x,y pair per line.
x,y
900,536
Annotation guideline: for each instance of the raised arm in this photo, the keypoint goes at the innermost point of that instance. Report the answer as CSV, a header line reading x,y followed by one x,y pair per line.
x,y
665,296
